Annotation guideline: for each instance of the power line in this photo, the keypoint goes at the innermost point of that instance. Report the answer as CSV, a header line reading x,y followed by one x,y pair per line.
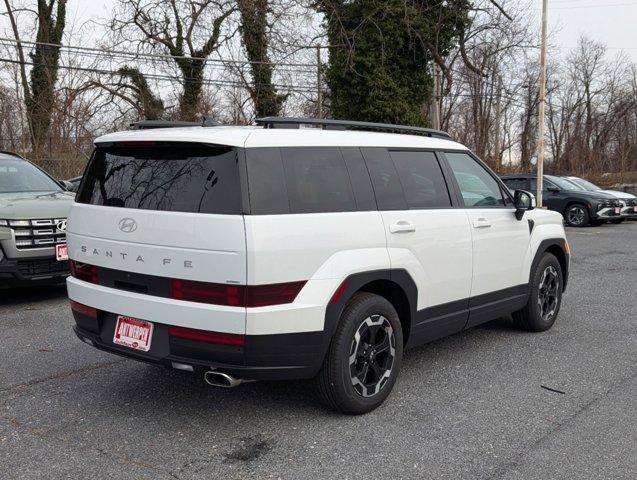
x,y
297,88
594,6
159,56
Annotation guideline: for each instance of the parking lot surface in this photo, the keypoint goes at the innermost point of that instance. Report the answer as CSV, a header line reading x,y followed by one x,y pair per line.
x,y
490,403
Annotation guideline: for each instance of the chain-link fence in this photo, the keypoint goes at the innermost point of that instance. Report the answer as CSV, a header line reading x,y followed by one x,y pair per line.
x,y
60,157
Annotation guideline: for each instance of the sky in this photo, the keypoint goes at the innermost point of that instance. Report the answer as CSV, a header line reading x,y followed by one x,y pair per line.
x,y
612,22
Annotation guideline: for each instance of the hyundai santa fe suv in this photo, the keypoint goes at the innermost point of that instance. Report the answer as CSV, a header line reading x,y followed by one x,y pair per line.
x,y
33,211
285,252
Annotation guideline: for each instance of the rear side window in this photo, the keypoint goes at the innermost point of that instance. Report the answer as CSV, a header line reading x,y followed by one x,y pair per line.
x,y
317,180
421,179
387,186
171,177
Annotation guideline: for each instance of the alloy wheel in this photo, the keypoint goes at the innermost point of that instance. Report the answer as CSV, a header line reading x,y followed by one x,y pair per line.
x,y
548,293
372,355
576,216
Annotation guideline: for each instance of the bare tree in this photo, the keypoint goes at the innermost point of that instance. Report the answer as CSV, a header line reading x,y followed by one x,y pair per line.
x,y
39,92
188,30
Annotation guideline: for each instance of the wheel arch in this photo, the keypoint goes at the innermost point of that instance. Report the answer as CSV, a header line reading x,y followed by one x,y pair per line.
x,y
557,247
396,286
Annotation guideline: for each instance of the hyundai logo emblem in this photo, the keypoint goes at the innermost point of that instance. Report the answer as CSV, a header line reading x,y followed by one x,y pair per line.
x,y
61,225
127,225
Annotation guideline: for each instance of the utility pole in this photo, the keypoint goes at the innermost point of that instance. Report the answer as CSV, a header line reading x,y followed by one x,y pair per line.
x,y
435,106
498,121
319,81
540,143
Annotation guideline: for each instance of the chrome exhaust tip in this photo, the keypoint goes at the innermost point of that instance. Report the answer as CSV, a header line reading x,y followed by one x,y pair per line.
x,y
221,379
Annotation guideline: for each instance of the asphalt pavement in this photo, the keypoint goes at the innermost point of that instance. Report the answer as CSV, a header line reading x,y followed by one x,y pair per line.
x,y
489,403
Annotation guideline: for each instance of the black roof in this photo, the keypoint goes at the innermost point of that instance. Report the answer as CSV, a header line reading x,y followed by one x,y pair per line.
x,y
519,175
328,124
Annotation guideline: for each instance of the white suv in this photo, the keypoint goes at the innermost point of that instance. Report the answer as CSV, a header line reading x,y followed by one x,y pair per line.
x,y
285,252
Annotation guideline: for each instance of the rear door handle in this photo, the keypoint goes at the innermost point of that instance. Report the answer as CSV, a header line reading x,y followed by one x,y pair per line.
x,y
481,223
402,227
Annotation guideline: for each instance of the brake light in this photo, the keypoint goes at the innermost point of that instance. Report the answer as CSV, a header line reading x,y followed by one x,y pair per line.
x,y
84,271
273,294
207,337
83,309
213,293
235,295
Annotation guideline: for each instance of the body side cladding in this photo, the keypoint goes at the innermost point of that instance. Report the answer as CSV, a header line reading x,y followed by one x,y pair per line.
x,y
358,281
556,246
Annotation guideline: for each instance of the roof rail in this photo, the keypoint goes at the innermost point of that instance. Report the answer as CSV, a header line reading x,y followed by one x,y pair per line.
x,y
294,123
150,124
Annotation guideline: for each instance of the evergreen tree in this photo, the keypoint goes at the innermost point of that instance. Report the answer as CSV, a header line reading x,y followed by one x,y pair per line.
x,y
381,54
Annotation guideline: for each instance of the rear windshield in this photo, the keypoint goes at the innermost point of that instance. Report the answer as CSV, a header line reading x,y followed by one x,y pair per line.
x,y
171,177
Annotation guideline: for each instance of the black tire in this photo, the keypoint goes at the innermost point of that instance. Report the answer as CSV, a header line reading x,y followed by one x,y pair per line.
x,y
576,215
545,298
338,385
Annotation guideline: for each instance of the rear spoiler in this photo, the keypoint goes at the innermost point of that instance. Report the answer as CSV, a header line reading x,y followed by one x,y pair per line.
x,y
152,124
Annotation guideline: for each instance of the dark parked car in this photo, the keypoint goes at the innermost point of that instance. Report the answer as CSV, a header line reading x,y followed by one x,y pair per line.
x,y
74,183
579,207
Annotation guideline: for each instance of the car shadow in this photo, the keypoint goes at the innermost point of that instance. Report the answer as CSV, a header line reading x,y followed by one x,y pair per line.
x,y
31,294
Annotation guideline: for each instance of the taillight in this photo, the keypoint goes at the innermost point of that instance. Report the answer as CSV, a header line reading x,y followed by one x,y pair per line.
x,y
84,271
83,309
214,293
235,295
207,337
272,294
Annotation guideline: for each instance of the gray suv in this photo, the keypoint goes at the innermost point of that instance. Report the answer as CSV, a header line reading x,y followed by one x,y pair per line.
x,y
33,211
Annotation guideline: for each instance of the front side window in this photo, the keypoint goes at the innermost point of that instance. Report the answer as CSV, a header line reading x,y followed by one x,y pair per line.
x,y
18,176
478,187
421,179
171,177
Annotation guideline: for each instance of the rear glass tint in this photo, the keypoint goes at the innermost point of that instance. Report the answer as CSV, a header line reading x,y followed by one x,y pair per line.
x,y
317,180
171,177
422,179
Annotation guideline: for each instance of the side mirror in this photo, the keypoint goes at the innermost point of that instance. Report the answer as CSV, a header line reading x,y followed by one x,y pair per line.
x,y
524,201
553,189
66,185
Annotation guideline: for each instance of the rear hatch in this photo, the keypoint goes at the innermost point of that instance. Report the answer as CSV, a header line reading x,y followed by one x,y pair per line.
x,y
148,213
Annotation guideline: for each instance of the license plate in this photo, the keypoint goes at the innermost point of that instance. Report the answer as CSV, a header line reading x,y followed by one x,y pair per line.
x,y
635,209
618,211
62,252
133,333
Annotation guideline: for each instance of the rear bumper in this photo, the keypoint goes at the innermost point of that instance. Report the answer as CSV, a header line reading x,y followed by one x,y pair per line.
x,y
263,357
